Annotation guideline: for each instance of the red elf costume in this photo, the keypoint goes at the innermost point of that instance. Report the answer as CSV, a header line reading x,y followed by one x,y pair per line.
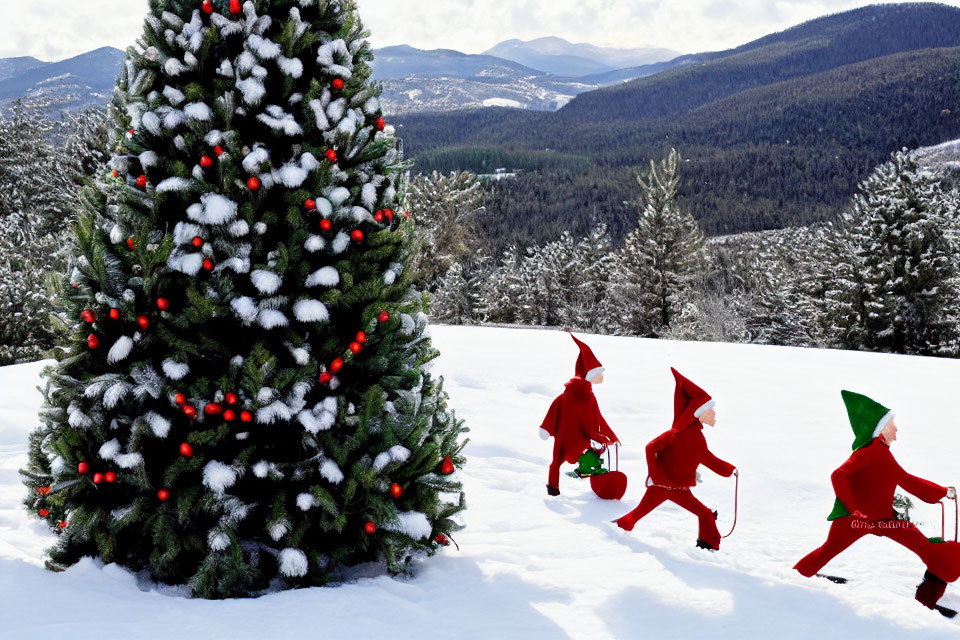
x,y
574,418
672,461
865,486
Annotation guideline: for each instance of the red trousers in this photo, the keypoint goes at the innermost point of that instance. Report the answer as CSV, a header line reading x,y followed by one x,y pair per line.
x,y
943,559
553,476
655,496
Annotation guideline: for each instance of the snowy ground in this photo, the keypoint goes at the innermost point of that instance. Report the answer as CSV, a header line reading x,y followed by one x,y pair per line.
x,y
531,566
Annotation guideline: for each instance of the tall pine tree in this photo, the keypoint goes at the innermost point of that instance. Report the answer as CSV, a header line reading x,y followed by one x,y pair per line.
x,y
896,276
661,259
245,401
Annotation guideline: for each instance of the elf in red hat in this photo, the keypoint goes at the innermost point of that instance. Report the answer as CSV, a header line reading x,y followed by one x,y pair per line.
x,y
673,458
865,486
574,418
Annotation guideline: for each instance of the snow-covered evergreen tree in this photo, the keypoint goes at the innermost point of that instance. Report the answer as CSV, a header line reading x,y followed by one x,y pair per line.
x,y
36,212
895,287
245,402
446,208
661,259
785,275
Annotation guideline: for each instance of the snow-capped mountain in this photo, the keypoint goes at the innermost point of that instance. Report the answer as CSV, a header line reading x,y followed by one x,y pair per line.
x,y
414,80
76,83
441,80
563,58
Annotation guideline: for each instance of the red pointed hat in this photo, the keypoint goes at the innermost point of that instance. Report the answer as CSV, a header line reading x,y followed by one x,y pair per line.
x,y
588,367
689,401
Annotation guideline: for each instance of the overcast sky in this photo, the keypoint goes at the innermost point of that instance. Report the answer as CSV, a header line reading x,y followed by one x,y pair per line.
x,y
57,29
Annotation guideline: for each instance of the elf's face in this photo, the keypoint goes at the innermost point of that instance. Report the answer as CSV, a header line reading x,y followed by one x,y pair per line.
x,y
709,417
889,432
597,379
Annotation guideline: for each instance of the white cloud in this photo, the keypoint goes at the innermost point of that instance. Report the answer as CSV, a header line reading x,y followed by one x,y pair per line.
x,y
53,30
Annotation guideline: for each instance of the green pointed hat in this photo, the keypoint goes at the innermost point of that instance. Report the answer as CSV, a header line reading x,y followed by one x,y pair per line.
x,y
867,417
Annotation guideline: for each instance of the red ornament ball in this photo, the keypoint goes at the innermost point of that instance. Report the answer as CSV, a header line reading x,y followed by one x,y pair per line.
x,y
337,84
130,244
357,236
97,478
83,468
246,416
207,7
229,415
143,321
44,491
331,155
93,341
396,490
336,365
355,347
87,316
218,150
234,6
253,183
186,450
378,216
406,215
207,264
212,409
114,314
43,513
441,539
62,524
190,411
142,181
181,399
389,214
447,467
383,317
326,225
206,162
163,495
110,476
361,337
198,241
231,398
163,304
116,174
310,204
325,378
381,124
370,527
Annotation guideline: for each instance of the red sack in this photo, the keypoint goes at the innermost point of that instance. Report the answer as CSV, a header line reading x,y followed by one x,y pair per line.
x,y
609,486
612,484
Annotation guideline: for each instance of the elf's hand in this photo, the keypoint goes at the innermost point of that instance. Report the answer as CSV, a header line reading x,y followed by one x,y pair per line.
x,y
736,471
952,493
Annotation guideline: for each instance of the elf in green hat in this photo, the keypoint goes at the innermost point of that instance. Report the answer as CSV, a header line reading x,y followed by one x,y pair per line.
x,y
865,486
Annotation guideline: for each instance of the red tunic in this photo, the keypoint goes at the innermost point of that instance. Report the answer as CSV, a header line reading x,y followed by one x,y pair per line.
x,y
673,457
868,479
574,420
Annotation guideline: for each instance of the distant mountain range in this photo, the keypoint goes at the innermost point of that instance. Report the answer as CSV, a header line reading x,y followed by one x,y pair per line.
x,y
563,58
75,83
776,132
414,80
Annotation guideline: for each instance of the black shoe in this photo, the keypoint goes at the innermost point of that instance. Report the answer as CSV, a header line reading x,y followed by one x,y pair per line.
x,y
552,491
703,545
930,590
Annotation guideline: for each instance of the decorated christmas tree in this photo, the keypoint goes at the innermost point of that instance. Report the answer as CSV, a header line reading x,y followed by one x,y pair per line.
x,y
246,402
